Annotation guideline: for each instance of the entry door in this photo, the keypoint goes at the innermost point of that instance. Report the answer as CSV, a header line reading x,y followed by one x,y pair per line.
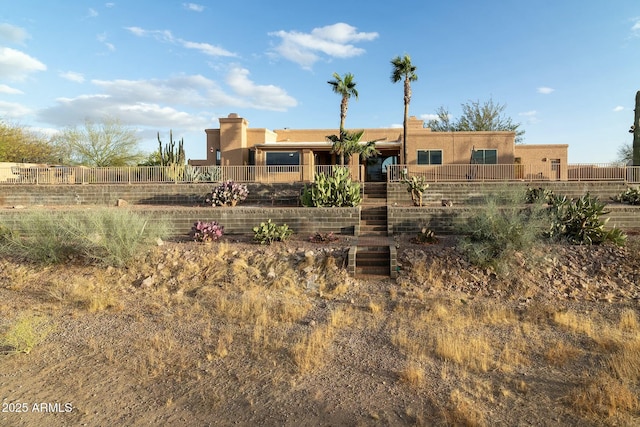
x,y
555,169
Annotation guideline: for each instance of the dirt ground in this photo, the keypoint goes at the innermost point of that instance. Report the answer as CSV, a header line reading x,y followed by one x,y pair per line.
x,y
234,333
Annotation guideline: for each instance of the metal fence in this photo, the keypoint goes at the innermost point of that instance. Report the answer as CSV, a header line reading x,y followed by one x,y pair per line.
x,y
18,174
516,172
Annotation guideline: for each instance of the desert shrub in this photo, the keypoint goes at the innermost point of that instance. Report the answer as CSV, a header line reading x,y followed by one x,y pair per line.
x,y
504,226
580,222
416,185
206,231
323,237
107,236
425,236
335,189
268,232
26,332
534,195
630,196
228,193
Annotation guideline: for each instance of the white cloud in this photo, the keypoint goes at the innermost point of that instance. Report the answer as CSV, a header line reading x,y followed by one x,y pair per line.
x,y
545,90
180,102
12,110
13,34
428,117
333,41
10,90
206,48
109,5
72,76
263,97
531,117
618,108
636,26
92,13
15,65
166,36
102,38
193,7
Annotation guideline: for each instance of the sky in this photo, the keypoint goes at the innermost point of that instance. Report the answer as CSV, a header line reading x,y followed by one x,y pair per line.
x,y
567,71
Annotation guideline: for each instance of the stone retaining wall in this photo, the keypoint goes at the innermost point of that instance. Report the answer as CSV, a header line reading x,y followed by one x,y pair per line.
x,y
140,194
447,220
241,220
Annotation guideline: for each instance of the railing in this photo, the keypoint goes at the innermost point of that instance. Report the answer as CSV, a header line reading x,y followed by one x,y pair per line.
x,y
282,174
516,172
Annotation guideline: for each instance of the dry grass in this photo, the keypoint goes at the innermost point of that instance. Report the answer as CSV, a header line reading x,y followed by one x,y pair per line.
x,y
604,396
413,374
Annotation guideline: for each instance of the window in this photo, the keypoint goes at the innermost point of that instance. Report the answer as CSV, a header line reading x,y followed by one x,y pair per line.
x,y
429,157
218,158
282,158
485,157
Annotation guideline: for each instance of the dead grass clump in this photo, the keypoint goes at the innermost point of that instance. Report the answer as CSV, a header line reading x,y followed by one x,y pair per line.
x,y
625,362
462,411
575,322
472,352
413,374
559,353
605,396
629,321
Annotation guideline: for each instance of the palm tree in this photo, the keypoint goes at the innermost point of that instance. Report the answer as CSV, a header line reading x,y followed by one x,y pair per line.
x,y
346,88
404,69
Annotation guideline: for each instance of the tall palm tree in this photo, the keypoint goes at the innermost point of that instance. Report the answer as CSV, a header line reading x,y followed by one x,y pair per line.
x,y
345,87
403,69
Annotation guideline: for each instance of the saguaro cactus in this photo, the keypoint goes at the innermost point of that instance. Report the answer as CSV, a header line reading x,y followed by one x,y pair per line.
x,y
636,132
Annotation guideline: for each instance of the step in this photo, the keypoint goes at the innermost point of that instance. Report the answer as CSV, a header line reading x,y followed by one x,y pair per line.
x,y
373,260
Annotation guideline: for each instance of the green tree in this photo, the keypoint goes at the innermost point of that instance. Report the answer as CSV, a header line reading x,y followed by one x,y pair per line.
x,y
349,143
19,144
345,86
476,116
100,144
404,70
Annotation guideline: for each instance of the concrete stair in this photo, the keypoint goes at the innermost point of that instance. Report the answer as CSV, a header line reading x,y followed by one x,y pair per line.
x,y
373,252
373,261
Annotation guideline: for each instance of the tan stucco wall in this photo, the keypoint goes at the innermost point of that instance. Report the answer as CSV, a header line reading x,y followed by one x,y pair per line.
x,y
539,159
234,139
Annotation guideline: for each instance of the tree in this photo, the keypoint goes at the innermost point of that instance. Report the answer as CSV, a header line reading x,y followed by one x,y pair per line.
x,y
346,88
476,117
103,144
625,153
20,145
403,69
349,143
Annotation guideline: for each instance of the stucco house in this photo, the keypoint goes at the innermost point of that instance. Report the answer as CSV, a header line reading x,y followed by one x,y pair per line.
x,y
234,143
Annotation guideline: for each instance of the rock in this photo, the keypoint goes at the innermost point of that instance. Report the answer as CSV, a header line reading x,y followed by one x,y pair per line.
x,y
18,207
159,242
121,203
148,282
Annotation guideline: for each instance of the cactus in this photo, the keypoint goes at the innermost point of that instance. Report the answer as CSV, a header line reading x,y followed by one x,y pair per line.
x,y
169,154
332,190
416,186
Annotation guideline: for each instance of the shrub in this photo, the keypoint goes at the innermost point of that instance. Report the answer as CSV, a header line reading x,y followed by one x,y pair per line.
x,y
425,236
269,232
534,195
630,196
493,235
206,231
323,238
579,222
228,193
336,190
416,186
108,236
27,332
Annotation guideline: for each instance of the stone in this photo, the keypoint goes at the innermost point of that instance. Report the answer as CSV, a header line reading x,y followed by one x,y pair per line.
x,y
121,203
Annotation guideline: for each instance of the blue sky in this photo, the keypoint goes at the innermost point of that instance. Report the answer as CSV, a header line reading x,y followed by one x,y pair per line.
x,y
567,70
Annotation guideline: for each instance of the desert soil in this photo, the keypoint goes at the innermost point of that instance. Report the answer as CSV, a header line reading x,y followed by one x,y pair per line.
x,y
234,333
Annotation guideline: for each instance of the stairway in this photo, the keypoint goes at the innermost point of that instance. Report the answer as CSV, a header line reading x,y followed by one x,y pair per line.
x,y
373,252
